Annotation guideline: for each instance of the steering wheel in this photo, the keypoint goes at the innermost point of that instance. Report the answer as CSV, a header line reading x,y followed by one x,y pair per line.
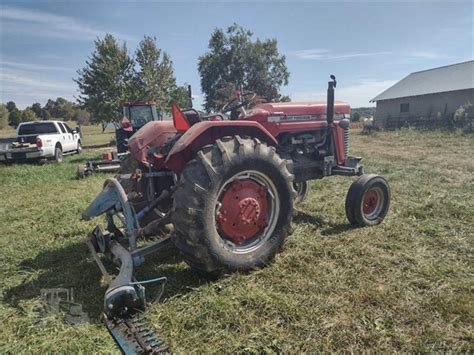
x,y
234,104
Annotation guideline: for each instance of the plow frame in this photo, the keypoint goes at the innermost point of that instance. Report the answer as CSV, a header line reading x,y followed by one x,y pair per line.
x,y
124,295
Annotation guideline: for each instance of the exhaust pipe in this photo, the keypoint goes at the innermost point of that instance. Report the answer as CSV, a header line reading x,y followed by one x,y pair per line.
x,y
330,114
330,100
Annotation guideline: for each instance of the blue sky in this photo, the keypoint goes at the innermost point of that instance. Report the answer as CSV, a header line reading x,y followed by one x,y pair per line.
x,y
368,45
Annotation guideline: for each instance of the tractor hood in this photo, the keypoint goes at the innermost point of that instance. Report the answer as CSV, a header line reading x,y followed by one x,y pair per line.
x,y
153,134
303,108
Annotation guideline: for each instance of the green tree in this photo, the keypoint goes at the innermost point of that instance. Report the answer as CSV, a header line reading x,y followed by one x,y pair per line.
x,y
11,106
48,109
235,60
63,109
356,116
36,107
14,118
60,109
28,115
3,116
82,117
155,78
46,115
107,80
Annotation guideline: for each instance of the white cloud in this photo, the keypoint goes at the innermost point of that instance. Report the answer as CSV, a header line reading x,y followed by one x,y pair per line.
x,y
26,89
44,24
32,67
427,55
325,54
310,53
357,95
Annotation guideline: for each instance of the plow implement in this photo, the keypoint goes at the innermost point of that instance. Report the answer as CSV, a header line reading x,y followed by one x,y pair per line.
x,y
124,300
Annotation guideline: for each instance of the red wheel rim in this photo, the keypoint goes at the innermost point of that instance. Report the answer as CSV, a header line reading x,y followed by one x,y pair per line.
x,y
246,210
243,212
372,203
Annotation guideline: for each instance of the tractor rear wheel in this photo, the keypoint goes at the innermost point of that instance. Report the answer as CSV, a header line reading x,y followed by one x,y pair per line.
x,y
367,201
232,207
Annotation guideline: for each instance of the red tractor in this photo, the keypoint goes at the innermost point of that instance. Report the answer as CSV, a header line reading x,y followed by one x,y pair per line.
x,y
226,186
135,115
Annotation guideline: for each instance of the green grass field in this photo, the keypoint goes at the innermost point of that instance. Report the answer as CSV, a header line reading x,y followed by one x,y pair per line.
x,y
406,285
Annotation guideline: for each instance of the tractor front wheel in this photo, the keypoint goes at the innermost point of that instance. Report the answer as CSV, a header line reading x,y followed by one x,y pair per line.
x,y
301,189
368,201
233,206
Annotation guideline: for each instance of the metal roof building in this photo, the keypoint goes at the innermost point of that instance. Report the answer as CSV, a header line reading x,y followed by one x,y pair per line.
x,y
426,93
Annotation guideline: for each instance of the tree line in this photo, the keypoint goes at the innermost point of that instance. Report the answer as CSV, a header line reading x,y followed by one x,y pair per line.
x,y
61,109
233,62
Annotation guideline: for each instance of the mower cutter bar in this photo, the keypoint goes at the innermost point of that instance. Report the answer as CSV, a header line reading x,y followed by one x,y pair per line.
x,y
124,299
133,337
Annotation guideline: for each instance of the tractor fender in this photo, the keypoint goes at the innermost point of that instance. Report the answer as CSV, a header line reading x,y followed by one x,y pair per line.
x,y
207,132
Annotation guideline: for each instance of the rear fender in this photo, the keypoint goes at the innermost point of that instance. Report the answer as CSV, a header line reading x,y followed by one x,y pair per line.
x,y
203,133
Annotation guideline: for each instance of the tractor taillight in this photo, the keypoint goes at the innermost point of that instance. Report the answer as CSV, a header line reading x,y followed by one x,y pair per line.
x,y
39,142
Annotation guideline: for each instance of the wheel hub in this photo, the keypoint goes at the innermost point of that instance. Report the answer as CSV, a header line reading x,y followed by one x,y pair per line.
x,y
371,200
243,210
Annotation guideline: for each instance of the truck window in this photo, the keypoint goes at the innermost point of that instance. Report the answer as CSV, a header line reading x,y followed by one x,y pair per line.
x,y
68,129
62,127
37,128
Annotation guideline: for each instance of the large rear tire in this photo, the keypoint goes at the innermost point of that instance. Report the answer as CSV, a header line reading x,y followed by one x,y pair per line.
x,y
232,207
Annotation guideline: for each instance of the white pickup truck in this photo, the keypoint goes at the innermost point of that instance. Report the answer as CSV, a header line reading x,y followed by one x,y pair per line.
x,y
41,140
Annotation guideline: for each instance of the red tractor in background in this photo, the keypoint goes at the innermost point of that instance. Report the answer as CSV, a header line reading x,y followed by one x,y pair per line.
x,y
135,115
226,186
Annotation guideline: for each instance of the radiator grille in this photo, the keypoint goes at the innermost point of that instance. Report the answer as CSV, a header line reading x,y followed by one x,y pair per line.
x,y
346,142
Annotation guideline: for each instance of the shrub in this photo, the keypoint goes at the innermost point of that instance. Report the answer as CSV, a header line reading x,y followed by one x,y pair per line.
x,y
355,117
3,116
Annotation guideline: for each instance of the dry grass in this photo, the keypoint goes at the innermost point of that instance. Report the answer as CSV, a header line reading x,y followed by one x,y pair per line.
x,y
405,285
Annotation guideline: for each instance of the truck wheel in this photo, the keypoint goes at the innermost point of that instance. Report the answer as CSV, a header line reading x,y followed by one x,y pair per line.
x,y
367,201
58,154
79,147
233,206
301,189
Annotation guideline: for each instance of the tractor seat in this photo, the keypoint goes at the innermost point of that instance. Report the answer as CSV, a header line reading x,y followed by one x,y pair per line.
x,y
193,116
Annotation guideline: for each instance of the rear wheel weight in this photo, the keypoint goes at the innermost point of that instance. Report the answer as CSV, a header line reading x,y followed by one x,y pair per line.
x,y
368,201
251,183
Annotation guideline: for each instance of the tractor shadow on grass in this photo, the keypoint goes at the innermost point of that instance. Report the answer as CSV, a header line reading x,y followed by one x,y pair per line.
x,y
73,266
327,229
